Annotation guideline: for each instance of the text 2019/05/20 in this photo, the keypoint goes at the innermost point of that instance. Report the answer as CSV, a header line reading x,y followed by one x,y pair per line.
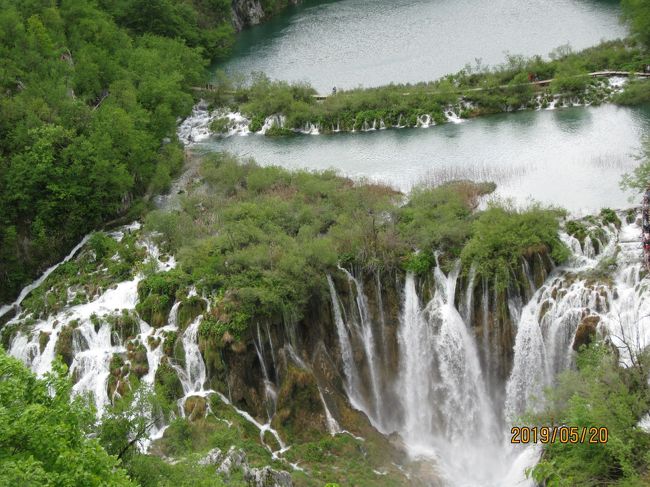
x,y
563,434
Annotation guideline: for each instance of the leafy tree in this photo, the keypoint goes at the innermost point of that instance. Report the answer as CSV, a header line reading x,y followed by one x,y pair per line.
x,y
129,422
639,179
600,393
86,106
44,433
637,13
502,236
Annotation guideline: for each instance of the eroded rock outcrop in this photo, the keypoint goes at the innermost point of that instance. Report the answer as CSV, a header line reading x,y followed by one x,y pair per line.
x,y
252,12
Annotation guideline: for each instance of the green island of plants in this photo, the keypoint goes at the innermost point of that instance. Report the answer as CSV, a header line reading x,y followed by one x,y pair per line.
x,y
472,92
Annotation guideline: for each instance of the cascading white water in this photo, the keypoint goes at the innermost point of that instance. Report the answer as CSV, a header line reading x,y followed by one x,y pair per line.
x,y
194,373
269,386
28,289
448,414
91,361
332,424
92,347
548,323
352,382
366,331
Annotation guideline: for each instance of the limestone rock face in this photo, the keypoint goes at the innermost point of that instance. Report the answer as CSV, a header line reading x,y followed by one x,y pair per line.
x,y
213,457
251,12
246,12
234,459
267,477
586,331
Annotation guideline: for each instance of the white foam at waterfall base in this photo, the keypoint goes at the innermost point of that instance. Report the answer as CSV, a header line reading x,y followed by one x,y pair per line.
x,y
452,117
196,127
448,415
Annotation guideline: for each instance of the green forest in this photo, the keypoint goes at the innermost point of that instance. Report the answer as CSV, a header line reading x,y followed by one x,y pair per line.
x,y
91,96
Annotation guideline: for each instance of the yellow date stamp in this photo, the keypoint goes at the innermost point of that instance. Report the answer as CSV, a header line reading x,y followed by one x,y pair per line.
x,y
563,434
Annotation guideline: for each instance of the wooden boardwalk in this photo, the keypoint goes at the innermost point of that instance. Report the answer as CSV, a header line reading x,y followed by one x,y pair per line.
x,y
209,88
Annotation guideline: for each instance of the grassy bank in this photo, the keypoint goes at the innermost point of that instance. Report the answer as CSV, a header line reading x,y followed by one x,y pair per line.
x,y
471,92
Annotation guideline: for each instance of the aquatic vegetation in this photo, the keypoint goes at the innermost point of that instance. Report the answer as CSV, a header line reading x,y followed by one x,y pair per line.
x,y
468,93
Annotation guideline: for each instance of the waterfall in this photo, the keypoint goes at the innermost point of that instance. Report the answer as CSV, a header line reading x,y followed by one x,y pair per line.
x,y
269,387
91,364
382,320
91,346
262,427
268,335
352,382
332,424
529,373
416,364
448,414
28,289
439,362
570,298
193,375
365,327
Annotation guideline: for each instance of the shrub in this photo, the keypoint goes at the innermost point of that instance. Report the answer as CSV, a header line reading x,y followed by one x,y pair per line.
x,y
599,393
501,237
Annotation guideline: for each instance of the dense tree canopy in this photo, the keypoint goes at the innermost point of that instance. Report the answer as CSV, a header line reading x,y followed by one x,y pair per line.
x,y
43,434
86,106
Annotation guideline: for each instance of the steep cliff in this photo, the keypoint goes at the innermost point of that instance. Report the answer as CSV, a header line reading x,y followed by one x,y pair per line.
x,y
252,12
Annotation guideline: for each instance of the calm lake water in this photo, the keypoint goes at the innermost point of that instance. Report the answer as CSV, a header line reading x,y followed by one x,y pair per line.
x,y
570,157
358,42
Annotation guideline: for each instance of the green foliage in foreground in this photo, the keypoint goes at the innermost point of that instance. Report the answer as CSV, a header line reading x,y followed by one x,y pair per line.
x,y
44,437
636,92
603,394
261,240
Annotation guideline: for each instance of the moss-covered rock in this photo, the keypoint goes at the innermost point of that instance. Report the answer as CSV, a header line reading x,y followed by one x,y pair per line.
x,y
63,345
155,309
168,382
43,339
118,380
195,408
189,310
608,215
586,331
300,414
157,294
137,356
124,326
